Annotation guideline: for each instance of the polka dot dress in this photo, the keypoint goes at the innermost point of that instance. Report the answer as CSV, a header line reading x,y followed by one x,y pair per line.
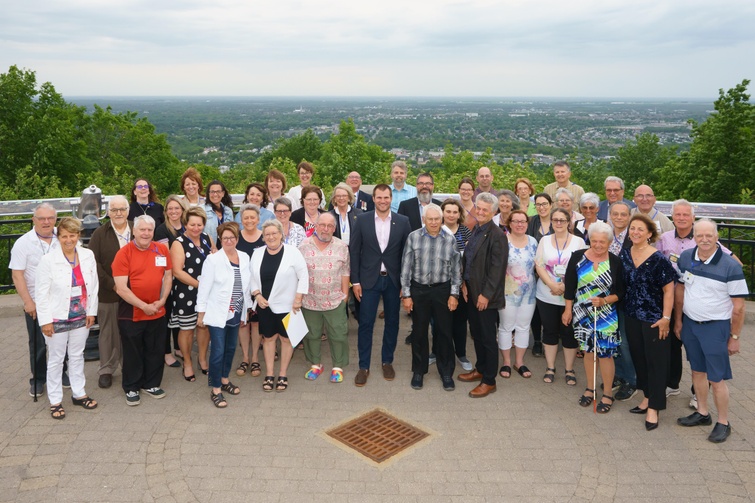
x,y
184,315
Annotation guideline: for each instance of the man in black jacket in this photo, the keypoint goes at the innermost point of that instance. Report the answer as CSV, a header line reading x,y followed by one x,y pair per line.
x,y
413,208
484,273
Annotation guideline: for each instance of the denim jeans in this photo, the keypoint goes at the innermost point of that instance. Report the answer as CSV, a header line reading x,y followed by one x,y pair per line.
x,y
389,292
222,349
624,365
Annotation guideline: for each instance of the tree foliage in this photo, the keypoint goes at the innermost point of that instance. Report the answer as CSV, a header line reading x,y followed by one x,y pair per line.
x,y
720,164
52,148
640,161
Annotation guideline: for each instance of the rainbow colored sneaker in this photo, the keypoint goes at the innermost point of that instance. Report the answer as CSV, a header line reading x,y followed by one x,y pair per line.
x,y
336,375
313,373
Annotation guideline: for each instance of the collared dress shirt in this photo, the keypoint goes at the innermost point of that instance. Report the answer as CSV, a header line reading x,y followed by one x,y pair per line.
x,y
429,260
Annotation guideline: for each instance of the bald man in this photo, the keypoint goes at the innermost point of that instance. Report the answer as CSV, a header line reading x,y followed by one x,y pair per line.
x,y
362,200
644,198
485,182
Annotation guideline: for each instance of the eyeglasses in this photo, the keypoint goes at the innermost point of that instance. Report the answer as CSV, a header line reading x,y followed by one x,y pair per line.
x,y
518,221
542,205
326,226
216,192
589,208
46,219
228,239
558,220
613,190
311,200
644,196
425,184
142,187
283,212
119,210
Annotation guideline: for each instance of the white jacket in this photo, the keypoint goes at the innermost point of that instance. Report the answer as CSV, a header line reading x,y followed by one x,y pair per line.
x,y
216,288
53,284
292,278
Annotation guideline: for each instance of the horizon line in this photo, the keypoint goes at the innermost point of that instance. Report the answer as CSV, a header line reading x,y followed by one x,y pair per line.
x,y
407,97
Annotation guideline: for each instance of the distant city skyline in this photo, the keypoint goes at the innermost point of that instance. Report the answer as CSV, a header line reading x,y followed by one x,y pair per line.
x,y
642,49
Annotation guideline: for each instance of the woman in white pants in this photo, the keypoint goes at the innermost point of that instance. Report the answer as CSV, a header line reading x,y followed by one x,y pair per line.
x,y
521,280
67,286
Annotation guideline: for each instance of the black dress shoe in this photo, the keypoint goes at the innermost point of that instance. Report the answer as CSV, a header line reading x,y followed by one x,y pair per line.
x,y
638,410
537,349
105,381
651,426
448,383
720,433
417,381
408,340
694,419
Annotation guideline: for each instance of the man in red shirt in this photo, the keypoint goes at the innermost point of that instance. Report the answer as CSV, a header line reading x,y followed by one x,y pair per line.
x,y
143,278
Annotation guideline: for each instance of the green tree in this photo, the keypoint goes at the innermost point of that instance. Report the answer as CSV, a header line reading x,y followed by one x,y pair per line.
x,y
348,151
639,161
306,146
720,164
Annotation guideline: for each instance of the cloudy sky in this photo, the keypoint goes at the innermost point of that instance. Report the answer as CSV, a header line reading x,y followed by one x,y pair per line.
x,y
538,48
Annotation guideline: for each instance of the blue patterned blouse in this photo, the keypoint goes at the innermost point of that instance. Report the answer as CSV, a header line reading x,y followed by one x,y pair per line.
x,y
644,285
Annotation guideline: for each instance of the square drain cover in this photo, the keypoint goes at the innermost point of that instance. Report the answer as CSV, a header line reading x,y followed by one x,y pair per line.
x,y
377,435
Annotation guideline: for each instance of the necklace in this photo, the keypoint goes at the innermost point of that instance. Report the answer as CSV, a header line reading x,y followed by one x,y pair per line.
x,y
274,249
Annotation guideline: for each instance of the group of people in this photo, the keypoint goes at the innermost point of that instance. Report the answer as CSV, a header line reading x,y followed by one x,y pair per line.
x,y
614,282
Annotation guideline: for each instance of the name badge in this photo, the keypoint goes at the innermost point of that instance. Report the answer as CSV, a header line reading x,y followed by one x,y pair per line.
x,y
674,258
161,261
688,278
76,291
559,270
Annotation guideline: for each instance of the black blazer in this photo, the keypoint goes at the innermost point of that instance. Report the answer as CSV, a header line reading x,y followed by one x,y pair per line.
x,y
352,219
487,274
365,254
616,271
299,217
410,209
363,201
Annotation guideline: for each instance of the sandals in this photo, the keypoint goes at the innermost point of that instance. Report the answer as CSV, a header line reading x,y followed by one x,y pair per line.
x,y
580,354
256,369
586,401
57,412
218,400
605,408
190,378
282,384
505,370
269,383
550,375
230,388
571,377
523,370
243,367
85,402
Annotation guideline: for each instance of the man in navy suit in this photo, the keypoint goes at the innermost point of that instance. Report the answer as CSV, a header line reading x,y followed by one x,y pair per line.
x,y
362,200
376,247
413,208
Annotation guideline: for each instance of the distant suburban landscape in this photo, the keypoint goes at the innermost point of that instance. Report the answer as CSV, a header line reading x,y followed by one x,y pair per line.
x,y
223,132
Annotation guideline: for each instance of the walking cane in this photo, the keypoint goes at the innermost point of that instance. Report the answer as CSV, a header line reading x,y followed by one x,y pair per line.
x,y
595,358
34,361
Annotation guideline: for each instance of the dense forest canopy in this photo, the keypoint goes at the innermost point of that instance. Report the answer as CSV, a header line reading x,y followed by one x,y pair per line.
x,y
50,147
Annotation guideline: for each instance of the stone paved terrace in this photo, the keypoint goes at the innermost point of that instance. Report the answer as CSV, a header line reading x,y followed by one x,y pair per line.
x,y
527,442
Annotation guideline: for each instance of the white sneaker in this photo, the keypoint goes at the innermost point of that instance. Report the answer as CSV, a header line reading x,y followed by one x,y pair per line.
x,y
672,391
693,402
431,360
465,364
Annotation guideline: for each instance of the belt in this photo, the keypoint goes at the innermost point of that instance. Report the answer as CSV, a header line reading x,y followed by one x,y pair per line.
x,y
384,273
433,285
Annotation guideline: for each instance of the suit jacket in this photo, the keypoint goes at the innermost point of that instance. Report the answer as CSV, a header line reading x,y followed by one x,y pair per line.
x,y
363,201
353,214
365,254
487,273
410,208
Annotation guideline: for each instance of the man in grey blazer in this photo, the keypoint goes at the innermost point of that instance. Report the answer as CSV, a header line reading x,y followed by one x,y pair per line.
x,y
483,285
376,246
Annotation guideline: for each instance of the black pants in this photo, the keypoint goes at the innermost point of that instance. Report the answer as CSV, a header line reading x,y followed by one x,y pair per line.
x,y
432,302
537,326
38,358
482,327
650,356
143,349
553,329
675,358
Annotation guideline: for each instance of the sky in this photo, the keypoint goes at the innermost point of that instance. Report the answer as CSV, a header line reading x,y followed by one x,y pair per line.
x,y
508,48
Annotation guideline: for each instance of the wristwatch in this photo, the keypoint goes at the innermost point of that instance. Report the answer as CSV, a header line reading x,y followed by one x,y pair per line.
x,y
735,337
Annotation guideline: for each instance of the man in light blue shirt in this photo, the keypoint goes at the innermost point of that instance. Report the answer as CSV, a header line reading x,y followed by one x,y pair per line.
x,y
400,189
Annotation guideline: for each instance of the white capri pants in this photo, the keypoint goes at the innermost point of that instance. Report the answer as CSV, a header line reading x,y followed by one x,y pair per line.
x,y
74,341
516,320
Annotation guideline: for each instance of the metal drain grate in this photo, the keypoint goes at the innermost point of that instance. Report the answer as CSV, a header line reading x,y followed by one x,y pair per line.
x,y
377,435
